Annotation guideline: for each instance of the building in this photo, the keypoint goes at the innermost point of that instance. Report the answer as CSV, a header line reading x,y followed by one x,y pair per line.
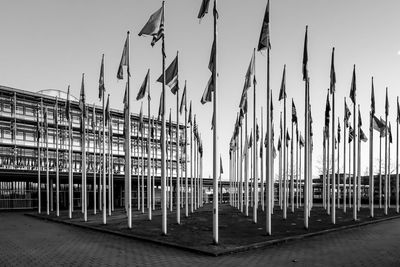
x,y
22,121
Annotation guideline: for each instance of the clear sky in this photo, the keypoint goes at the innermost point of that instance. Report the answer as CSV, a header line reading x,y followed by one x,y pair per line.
x,y
48,44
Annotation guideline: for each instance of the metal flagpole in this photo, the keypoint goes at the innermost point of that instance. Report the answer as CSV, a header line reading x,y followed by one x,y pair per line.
x,y
109,162
171,170
354,160
128,159
297,166
47,162
284,159
178,185
39,156
255,182
149,184
333,177
291,170
246,175
104,197
215,136
186,165
386,161
344,158
195,171
324,159
94,160
70,173
338,171
306,159
57,162
262,162
191,166
359,166
397,156
380,170
142,168
371,168
241,168
154,150
350,183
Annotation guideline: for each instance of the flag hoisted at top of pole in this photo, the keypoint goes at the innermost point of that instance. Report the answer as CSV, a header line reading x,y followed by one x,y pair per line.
x,y
190,113
124,61
82,97
102,88
183,101
203,9
387,103
305,57
332,74
221,169
67,105
145,86
171,76
154,26
347,114
372,97
264,41
250,73
353,87
282,92
207,95
294,113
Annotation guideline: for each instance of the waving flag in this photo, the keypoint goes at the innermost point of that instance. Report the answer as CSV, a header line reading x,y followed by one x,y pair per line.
x,y
372,97
282,92
102,88
183,101
171,76
294,113
353,86
264,42
154,26
145,86
203,9
305,56
124,61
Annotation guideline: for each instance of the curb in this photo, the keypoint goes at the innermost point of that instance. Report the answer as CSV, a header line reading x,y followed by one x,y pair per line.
x,y
238,249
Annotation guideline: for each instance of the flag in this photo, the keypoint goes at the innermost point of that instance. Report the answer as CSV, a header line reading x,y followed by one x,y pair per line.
x,y
194,127
282,92
124,61
359,118
55,112
243,101
102,89
390,133
335,143
265,140
183,101
171,78
250,72
207,96
257,133
338,131
279,144
152,127
213,122
294,113
398,111
221,169
287,138
387,103
154,26
363,137
67,107
160,107
351,134
272,107
251,140
38,129
190,113
372,97
145,87
211,62
333,74
305,57
353,86
274,151
327,111
107,110
347,114
169,124
82,98
141,118
203,9
301,141
379,125
264,41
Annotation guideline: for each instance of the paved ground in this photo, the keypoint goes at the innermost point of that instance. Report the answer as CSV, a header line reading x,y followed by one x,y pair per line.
x,y
26,241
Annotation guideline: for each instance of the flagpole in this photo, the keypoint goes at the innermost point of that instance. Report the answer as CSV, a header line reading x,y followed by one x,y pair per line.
x,y
306,159
359,166
324,168
338,171
39,164
70,173
149,186
241,169
94,158
186,165
380,171
333,213
284,158
262,162
354,161
191,167
178,185
397,157
371,170
195,172
291,169
246,175
171,169
280,168
47,165
297,166
84,161
344,157
350,183
109,161
154,150
104,198
142,168
128,159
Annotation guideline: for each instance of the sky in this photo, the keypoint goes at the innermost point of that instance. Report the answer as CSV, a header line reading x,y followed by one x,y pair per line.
x,y
47,44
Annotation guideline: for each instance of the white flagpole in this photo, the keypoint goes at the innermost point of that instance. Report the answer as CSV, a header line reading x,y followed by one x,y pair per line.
x,y
297,166
215,136
371,168
109,165
306,159
57,164
359,168
268,156
324,159
186,165
154,160
128,159
380,171
246,174
241,170
284,160
195,172
178,185
104,153
171,171
142,168
94,160
291,171
389,176
397,159
338,171
344,158
350,180
39,162
262,162
47,164
191,168
333,159
70,173
149,184
354,163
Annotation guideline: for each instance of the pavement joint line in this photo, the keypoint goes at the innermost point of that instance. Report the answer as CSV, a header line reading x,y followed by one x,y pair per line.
x,y
222,252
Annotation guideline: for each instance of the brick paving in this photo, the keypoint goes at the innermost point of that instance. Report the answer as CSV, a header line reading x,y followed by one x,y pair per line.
x,y
26,241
